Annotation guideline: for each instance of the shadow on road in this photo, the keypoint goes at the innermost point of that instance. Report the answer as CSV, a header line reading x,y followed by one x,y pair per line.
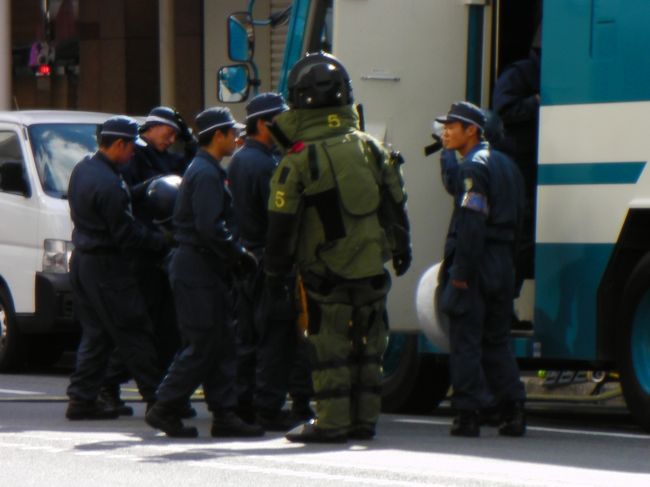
x,y
571,438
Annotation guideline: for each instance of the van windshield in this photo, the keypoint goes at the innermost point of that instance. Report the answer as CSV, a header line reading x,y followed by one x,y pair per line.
x,y
57,148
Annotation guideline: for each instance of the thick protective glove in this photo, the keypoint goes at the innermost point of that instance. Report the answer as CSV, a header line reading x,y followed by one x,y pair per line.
x,y
402,262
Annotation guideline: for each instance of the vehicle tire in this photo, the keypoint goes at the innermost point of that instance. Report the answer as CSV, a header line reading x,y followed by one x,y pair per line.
x,y
634,343
413,382
10,337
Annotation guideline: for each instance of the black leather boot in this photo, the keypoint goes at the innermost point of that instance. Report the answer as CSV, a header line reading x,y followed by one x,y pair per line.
x,y
167,419
79,409
276,420
466,423
301,410
362,432
228,424
186,411
513,420
310,433
109,396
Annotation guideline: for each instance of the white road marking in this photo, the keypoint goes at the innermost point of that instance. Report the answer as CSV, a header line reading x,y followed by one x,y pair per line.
x,y
356,465
21,393
632,436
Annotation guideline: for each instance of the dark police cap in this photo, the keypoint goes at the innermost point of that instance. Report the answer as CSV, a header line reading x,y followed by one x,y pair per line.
x,y
214,118
120,126
266,104
464,111
161,116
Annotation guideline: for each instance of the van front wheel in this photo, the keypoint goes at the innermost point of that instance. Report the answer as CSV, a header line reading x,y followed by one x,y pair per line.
x,y
634,343
9,335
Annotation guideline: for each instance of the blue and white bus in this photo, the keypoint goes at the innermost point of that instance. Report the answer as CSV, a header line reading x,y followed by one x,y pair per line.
x,y
589,301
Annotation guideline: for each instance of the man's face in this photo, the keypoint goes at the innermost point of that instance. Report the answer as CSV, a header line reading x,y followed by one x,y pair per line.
x,y
161,137
123,151
263,131
455,136
227,143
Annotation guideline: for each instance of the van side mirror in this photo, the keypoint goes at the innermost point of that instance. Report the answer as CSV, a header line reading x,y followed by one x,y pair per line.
x,y
241,37
233,83
13,180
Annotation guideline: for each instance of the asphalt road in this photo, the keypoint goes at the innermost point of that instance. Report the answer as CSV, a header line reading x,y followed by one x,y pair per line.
x,y
566,446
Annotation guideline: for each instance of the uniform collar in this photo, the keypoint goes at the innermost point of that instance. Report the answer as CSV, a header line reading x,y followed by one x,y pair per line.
x,y
256,144
105,160
208,157
483,145
316,123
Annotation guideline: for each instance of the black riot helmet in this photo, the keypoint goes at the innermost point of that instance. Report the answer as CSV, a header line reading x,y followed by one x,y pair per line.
x,y
319,80
161,197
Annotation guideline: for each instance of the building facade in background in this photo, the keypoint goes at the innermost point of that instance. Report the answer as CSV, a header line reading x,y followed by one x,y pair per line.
x,y
104,55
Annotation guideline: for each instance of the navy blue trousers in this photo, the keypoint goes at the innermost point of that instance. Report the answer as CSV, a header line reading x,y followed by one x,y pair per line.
x,y
203,299
272,358
113,314
483,368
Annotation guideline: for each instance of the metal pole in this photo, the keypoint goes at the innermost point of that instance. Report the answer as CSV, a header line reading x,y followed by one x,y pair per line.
x,y
5,55
166,38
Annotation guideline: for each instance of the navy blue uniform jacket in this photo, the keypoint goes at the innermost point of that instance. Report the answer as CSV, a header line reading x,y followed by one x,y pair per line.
x,y
488,207
100,208
203,215
249,175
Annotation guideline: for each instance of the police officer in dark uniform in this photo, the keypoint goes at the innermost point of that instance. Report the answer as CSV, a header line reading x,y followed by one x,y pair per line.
x,y
152,158
516,100
477,278
108,302
337,213
201,273
267,344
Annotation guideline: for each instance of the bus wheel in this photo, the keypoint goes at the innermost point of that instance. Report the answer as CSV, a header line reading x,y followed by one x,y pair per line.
x,y
634,343
10,337
413,382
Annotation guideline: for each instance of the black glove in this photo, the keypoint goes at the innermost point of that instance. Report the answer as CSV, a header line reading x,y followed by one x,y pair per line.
x,y
280,300
185,132
402,262
438,128
245,264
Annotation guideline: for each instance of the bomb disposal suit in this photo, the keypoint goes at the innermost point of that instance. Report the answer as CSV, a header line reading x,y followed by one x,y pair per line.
x,y
337,210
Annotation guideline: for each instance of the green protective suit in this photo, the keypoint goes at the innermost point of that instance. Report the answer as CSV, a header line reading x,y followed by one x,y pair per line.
x,y
337,211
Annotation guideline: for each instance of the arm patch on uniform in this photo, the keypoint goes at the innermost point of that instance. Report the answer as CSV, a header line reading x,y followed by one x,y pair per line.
x,y
284,174
476,202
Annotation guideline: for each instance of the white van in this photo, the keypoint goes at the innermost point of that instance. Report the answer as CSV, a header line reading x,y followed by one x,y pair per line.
x,y
38,150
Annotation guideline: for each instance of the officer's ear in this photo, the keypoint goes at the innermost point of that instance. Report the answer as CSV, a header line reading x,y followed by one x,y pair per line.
x,y
472,130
